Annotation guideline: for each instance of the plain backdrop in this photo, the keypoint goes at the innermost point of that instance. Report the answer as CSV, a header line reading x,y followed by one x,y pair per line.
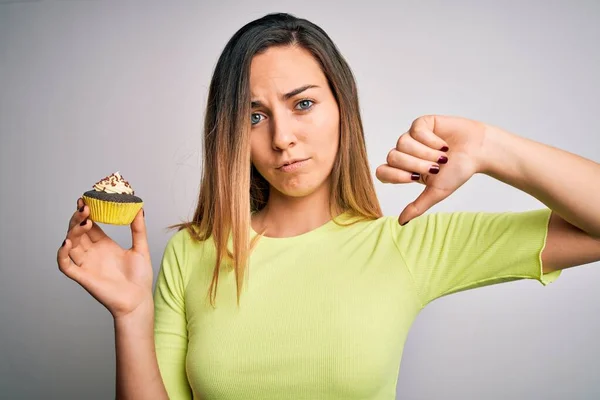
x,y
88,88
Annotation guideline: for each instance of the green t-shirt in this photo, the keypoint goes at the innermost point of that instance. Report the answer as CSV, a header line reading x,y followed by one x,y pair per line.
x,y
325,315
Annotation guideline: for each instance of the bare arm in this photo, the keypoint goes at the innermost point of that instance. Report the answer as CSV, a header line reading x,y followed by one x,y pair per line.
x,y
121,280
567,183
568,246
138,376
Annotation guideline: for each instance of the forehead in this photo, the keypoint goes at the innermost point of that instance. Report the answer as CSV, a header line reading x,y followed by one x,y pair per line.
x,y
283,69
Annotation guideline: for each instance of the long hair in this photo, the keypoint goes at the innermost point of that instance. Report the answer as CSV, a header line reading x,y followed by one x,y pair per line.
x,y
231,188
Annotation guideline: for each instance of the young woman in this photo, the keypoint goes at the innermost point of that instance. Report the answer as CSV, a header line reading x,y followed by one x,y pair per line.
x,y
288,283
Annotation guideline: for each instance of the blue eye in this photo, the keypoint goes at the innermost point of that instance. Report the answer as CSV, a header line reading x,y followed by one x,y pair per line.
x,y
254,120
302,105
307,104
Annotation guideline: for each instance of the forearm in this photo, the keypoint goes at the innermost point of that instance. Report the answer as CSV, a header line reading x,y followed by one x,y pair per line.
x,y
566,183
138,376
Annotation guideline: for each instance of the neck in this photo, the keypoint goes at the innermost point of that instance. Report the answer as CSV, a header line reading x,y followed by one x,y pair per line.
x,y
285,216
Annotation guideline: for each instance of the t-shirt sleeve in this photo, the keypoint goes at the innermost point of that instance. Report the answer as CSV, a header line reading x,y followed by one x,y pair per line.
x,y
170,324
451,252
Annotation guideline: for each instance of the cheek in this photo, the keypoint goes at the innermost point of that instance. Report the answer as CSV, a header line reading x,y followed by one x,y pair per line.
x,y
258,149
327,141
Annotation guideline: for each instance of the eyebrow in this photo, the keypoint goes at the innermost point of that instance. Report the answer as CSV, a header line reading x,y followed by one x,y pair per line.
x,y
287,96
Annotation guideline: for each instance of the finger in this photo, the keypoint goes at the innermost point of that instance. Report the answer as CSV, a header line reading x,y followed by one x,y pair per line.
x,y
66,265
79,234
85,242
411,163
79,215
139,238
422,130
77,254
388,174
427,199
409,145
94,233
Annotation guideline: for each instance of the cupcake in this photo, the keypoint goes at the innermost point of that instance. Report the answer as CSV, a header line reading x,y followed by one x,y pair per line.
x,y
112,201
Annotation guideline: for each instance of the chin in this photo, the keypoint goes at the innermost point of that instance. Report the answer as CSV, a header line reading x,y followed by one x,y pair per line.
x,y
296,191
297,188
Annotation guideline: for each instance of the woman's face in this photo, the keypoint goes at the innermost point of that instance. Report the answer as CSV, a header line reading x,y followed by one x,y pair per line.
x,y
295,119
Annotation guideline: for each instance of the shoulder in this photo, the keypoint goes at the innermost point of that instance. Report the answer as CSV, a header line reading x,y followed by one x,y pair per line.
x,y
471,225
180,238
183,249
183,241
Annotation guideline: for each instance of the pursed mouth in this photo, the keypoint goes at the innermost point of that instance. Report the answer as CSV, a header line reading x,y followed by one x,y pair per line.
x,y
292,162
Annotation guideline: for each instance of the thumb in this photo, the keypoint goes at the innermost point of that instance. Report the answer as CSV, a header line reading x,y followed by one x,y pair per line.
x,y
429,197
139,239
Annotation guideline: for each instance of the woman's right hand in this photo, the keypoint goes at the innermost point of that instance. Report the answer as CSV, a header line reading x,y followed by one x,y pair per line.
x,y
119,279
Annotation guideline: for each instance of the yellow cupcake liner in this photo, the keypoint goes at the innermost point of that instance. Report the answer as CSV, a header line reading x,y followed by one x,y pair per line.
x,y
109,212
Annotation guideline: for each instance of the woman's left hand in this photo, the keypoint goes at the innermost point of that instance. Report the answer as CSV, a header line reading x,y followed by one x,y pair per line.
x,y
440,152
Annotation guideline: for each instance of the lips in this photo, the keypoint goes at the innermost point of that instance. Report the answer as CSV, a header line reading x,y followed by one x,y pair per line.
x,y
293,165
290,162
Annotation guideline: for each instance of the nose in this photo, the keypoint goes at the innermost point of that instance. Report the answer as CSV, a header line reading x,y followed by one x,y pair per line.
x,y
283,136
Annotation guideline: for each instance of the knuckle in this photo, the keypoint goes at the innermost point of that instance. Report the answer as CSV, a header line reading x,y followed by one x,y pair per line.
x,y
417,122
390,156
424,119
418,133
72,224
416,210
402,140
381,174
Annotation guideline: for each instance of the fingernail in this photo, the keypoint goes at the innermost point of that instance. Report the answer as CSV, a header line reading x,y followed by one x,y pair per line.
x,y
443,160
415,176
444,149
82,207
405,223
434,169
143,213
64,241
83,222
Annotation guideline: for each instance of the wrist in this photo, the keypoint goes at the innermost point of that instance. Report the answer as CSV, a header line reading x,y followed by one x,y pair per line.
x,y
494,154
142,317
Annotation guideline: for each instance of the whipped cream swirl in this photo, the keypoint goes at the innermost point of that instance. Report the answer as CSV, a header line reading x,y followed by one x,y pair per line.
x,y
113,183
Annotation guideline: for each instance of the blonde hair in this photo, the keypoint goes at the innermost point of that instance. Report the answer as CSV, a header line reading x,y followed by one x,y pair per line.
x,y
231,188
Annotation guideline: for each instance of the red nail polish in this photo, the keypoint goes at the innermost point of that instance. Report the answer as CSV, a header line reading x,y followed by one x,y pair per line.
x,y
443,160
444,149
405,223
415,176
81,209
63,244
143,213
83,222
434,169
